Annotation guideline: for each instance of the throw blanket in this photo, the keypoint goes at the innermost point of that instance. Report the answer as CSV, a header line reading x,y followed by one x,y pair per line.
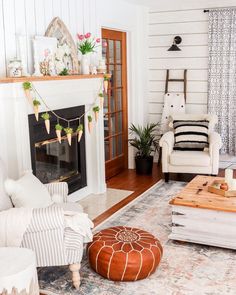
x,y
80,223
13,224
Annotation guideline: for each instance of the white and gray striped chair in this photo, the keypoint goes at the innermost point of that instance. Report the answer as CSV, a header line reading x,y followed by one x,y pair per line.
x,y
53,243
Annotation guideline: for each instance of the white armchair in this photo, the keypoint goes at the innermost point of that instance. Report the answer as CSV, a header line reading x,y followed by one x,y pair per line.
x,y
54,243
196,162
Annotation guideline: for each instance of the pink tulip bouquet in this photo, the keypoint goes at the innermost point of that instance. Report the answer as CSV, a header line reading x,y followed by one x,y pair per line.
x,y
86,43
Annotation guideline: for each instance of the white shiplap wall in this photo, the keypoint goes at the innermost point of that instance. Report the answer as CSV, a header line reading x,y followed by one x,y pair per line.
x,y
192,26
31,17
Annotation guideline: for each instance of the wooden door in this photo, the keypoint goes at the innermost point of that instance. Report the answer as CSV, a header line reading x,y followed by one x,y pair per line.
x,y
115,103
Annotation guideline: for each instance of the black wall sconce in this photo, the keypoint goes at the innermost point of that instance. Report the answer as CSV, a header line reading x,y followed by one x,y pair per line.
x,y
177,40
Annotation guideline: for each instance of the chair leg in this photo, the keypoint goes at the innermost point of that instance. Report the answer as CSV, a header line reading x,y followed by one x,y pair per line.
x,y
74,268
166,175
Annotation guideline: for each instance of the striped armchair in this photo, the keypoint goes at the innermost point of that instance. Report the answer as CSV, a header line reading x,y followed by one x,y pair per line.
x,y
53,242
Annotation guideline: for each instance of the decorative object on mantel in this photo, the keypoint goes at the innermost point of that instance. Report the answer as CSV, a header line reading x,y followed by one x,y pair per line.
x,y
86,44
44,55
22,53
90,125
102,68
15,68
93,70
66,43
29,87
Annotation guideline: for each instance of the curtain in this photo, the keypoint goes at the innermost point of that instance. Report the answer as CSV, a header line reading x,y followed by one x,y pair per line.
x,y
222,74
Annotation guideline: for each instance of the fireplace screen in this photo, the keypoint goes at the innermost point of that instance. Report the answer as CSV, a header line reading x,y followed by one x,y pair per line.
x,y
53,161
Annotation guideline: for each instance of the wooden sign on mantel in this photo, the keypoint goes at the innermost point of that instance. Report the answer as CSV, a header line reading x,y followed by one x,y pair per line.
x,y
58,29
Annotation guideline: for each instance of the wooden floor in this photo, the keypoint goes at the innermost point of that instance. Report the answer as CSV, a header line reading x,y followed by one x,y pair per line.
x,y
129,180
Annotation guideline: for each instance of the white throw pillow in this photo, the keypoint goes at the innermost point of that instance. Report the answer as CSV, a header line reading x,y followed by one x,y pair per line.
x,y
28,192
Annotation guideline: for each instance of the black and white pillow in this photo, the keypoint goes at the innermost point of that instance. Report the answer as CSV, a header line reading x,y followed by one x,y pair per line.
x,y
191,135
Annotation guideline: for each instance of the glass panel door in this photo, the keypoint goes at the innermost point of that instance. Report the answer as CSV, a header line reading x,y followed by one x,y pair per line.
x,y
115,106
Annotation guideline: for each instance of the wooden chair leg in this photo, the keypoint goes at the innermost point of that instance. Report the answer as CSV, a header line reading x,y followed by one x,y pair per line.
x,y
166,177
74,268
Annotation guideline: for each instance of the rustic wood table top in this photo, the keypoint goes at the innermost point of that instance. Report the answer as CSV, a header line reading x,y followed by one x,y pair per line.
x,y
195,194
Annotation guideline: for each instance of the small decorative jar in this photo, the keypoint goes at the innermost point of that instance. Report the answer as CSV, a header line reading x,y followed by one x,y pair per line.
x,y
15,68
102,68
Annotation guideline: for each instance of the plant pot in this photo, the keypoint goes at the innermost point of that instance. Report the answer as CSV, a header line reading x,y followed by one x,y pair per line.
x,y
144,165
85,64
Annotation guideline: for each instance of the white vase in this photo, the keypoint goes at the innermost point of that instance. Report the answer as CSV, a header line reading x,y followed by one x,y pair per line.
x,y
85,64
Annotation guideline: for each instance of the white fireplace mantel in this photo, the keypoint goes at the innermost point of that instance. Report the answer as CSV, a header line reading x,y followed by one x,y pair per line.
x,y
14,131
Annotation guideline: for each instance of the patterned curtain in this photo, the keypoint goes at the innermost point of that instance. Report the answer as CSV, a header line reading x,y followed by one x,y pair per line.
x,y
222,74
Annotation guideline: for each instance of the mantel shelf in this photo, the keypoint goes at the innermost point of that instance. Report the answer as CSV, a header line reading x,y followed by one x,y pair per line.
x,y
48,78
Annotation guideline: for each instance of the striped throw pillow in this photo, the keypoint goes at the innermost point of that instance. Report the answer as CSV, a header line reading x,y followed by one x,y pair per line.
x,y
191,135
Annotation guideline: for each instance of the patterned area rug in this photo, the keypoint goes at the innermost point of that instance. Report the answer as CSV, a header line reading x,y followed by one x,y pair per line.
x,y
185,269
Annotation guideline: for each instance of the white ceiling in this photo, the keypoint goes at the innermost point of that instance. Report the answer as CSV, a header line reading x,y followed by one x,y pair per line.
x,y
143,2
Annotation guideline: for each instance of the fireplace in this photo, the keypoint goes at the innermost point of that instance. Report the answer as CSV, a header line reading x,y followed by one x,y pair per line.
x,y
55,162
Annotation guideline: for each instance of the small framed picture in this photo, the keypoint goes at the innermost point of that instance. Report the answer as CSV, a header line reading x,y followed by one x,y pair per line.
x,y
44,56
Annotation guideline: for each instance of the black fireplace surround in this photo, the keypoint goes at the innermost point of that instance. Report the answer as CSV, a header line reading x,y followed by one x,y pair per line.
x,y
55,162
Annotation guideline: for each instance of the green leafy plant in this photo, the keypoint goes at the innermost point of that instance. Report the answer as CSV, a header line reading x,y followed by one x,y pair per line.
x,y
87,44
36,102
68,130
27,85
146,139
100,94
80,128
96,109
45,116
90,119
64,72
59,127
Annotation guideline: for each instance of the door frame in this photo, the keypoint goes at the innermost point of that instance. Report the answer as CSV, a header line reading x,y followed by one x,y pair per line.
x,y
125,107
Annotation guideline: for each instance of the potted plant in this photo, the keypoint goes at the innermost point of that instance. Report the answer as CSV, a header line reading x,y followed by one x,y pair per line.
x,y
36,104
69,132
96,112
80,131
86,44
146,141
46,118
58,129
27,89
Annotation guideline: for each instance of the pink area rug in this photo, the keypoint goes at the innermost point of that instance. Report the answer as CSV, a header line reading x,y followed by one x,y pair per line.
x,y
185,269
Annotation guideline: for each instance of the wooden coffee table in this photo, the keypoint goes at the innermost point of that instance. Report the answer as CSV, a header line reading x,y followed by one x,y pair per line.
x,y
202,217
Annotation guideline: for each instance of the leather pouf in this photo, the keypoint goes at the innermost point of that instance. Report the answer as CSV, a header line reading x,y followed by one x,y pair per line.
x,y
124,253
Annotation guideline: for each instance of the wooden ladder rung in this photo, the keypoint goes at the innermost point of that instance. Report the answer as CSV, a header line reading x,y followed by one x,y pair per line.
x,y
184,80
176,80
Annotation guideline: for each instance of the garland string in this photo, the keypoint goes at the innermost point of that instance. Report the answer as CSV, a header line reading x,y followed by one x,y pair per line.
x,y
59,117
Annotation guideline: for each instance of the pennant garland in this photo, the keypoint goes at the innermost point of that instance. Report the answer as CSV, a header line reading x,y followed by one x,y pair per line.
x,y
30,89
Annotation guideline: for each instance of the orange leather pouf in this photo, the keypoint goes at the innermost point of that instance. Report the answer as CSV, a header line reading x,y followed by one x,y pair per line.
x,y
124,253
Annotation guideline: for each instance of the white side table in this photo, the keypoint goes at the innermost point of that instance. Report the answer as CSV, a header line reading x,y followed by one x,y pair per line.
x,y
18,274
